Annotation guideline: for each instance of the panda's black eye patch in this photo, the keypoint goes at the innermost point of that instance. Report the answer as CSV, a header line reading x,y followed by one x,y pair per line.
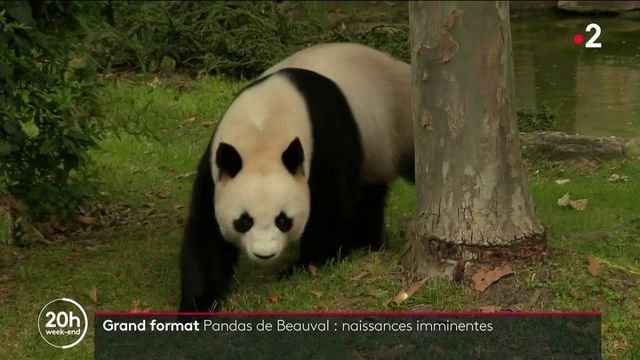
x,y
283,222
243,223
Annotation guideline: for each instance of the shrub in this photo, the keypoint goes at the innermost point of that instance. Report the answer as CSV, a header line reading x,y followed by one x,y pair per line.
x,y
236,38
532,120
49,113
239,39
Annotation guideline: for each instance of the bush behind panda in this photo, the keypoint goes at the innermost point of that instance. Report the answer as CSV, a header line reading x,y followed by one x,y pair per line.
x,y
305,153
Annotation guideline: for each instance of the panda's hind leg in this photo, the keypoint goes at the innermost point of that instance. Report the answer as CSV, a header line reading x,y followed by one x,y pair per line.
x,y
370,230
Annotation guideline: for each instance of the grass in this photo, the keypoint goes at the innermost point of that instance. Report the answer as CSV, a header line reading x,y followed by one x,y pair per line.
x,y
134,265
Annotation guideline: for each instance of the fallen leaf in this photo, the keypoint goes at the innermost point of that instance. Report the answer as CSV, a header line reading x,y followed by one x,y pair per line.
x,y
594,265
88,220
490,308
273,298
135,306
535,296
154,83
405,294
564,200
482,279
207,123
190,120
147,212
186,175
233,301
365,271
164,193
575,294
562,181
178,206
415,287
617,178
312,269
578,205
93,294
517,307
316,293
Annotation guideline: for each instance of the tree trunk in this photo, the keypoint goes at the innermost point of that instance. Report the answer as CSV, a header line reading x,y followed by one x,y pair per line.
x,y
473,201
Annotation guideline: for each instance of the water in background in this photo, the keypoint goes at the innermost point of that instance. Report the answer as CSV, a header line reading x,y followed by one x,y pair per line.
x,y
593,91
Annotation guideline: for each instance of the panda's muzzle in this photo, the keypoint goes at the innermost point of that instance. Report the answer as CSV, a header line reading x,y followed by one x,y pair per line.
x,y
264,257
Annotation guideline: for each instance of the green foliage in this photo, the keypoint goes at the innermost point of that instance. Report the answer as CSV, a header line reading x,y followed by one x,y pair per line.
x,y
49,112
240,39
393,39
237,38
531,120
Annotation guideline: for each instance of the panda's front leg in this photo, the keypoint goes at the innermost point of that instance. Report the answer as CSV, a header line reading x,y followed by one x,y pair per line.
x,y
207,273
207,261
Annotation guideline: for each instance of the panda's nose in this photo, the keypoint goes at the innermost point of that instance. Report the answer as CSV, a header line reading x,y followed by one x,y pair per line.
x,y
264,257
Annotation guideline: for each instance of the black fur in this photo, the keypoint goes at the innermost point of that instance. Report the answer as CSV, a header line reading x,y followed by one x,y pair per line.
x,y
344,215
228,160
293,157
206,261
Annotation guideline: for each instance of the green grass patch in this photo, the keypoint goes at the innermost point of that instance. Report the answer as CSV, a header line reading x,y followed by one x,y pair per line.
x,y
134,264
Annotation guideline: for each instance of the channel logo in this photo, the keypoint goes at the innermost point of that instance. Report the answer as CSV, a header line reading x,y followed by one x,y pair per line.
x,y
63,323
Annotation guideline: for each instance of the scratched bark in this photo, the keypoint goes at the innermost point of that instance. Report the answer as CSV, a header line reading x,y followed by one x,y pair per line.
x,y
472,192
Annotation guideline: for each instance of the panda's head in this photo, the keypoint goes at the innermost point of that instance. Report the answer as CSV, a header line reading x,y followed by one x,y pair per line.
x,y
261,198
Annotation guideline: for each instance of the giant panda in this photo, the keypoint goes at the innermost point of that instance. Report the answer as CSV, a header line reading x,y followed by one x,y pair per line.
x,y
304,153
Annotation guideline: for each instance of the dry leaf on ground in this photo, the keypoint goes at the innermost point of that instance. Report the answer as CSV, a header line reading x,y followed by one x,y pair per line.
x,y
562,181
93,294
482,279
594,265
365,271
490,308
312,269
88,220
578,205
617,178
575,294
273,298
564,200
135,306
405,294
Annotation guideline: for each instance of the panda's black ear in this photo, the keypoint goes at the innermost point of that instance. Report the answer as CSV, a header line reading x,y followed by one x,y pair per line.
x,y
293,157
228,160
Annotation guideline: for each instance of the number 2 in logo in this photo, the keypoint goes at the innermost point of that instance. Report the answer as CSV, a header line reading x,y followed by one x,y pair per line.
x,y
591,43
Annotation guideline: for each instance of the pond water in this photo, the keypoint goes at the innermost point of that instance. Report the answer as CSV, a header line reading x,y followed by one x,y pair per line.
x,y
592,91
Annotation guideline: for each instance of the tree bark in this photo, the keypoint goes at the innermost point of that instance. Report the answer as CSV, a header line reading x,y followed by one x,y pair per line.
x,y
473,201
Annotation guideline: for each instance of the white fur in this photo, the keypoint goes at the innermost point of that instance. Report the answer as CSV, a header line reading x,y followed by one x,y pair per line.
x,y
264,119
378,89
263,196
260,124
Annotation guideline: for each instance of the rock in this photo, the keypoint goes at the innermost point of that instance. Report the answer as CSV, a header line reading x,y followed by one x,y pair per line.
x,y
587,7
554,145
